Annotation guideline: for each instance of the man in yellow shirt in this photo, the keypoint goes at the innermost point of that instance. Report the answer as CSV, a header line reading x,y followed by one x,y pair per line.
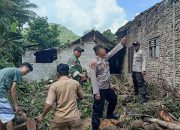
x,y
64,93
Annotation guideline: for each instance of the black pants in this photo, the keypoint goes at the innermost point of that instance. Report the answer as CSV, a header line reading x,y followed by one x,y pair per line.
x,y
98,106
139,83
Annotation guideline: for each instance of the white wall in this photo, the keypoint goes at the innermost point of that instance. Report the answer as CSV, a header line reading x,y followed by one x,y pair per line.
x,y
46,71
85,58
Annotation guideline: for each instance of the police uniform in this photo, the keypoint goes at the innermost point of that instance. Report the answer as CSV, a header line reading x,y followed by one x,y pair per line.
x,y
100,79
139,61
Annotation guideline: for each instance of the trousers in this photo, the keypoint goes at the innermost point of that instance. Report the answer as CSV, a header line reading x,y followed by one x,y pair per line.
x,y
139,83
71,125
98,106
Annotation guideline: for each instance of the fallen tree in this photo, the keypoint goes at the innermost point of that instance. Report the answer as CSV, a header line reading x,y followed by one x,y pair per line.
x,y
33,96
172,126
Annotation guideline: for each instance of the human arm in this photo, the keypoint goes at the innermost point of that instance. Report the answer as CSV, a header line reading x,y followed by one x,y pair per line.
x,y
80,93
16,79
93,67
49,103
74,71
143,63
46,109
83,76
116,48
14,96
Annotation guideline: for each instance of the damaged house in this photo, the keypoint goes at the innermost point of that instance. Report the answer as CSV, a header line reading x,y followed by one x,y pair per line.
x,y
45,61
158,31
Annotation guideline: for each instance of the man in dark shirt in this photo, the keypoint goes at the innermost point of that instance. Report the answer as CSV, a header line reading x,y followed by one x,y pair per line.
x,y
9,78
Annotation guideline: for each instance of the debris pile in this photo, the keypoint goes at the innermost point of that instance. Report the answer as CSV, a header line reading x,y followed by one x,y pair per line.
x,y
161,112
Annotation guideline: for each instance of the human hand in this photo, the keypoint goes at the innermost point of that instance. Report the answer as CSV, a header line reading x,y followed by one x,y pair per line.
x,y
97,96
83,78
22,114
123,41
40,119
17,109
144,73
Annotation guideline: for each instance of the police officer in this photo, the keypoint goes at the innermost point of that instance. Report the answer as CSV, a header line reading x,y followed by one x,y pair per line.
x,y
139,71
76,70
100,78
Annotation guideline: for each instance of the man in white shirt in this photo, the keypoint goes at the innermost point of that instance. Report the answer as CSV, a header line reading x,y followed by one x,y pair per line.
x,y
139,71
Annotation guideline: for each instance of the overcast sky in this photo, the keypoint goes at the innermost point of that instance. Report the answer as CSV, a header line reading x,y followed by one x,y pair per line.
x,y
82,15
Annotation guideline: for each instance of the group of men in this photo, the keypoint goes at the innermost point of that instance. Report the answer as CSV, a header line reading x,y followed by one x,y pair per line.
x,y
67,90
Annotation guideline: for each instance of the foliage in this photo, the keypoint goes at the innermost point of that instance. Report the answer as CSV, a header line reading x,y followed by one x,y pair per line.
x,y
29,93
86,104
13,14
66,36
173,107
15,10
11,49
130,110
111,37
40,32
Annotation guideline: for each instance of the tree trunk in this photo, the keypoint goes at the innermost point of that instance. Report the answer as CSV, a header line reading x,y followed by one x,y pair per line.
x,y
171,126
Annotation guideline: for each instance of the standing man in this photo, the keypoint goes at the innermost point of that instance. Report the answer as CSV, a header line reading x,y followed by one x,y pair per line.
x,y
100,78
64,93
9,78
139,71
76,70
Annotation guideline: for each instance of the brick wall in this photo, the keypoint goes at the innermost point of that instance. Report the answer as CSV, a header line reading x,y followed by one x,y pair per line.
x,y
157,22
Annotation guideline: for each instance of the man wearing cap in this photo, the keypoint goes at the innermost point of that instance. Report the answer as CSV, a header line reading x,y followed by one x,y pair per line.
x,y
9,78
64,93
139,71
76,70
100,78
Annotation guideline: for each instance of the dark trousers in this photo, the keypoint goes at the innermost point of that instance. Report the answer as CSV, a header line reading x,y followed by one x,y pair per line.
x,y
98,106
139,83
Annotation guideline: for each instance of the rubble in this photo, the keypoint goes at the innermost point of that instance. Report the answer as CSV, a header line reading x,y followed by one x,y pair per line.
x,y
159,113
154,115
